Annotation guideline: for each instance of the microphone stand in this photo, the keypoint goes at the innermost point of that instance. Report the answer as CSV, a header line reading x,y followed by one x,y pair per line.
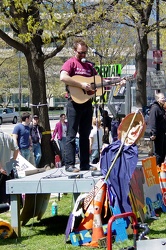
x,y
102,91
96,114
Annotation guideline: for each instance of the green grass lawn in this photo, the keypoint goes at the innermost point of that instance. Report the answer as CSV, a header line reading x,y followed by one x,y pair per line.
x,y
49,232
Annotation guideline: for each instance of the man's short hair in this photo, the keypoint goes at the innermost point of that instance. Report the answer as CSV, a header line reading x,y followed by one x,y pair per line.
x,y
24,116
79,41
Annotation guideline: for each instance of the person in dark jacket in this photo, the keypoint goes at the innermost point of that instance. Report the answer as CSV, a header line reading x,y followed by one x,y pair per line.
x,y
157,124
36,136
106,124
114,128
106,120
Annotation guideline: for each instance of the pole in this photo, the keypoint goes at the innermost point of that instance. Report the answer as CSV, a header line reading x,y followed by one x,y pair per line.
x,y
19,81
157,32
96,114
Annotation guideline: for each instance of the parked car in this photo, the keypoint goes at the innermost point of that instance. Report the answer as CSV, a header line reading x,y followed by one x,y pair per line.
x,y
8,115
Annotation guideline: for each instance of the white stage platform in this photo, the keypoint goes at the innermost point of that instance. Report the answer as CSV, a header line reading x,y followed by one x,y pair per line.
x,y
56,180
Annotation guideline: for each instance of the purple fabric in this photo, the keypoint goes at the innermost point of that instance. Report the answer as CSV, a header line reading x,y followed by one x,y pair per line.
x,y
121,173
69,224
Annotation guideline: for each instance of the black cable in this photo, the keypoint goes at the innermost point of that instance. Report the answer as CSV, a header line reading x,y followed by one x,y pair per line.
x,y
39,182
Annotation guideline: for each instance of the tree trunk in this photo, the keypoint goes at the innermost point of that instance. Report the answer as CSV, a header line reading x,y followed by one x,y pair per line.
x,y
141,68
39,103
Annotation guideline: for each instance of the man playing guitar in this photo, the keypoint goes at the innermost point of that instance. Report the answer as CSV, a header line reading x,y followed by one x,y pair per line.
x,y
79,116
78,75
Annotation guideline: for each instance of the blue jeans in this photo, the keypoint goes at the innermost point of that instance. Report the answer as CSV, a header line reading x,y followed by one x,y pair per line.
x,y
25,152
94,155
37,153
62,144
79,117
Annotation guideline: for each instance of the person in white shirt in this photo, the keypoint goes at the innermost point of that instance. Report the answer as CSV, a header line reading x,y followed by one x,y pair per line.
x,y
96,140
8,148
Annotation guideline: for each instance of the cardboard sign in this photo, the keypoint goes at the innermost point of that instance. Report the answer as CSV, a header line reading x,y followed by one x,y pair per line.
x,y
137,193
152,190
25,168
150,171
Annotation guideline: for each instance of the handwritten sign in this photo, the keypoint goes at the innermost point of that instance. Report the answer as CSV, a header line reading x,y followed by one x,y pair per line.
x,y
23,165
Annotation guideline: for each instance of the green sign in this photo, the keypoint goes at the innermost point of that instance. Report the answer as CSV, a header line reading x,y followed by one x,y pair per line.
x,y
109,70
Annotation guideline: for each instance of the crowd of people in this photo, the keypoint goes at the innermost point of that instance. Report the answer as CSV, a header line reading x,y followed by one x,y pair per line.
x,y
27,136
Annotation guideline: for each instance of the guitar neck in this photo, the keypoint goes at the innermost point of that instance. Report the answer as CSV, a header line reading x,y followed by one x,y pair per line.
x,y
111,81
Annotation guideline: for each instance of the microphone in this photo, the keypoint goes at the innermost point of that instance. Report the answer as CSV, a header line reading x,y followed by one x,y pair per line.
x,y
84,60
96,52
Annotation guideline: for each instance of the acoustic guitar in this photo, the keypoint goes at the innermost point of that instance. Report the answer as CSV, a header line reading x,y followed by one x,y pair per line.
x,y
80,96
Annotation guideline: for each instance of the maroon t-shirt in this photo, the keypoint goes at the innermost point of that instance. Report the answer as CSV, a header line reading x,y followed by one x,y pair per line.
x,y
74,67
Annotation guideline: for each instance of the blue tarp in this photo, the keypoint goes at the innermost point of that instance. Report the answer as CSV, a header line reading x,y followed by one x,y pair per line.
x,y
119,178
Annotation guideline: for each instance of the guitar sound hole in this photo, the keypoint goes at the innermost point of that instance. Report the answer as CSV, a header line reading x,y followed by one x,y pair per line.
x,y
91,92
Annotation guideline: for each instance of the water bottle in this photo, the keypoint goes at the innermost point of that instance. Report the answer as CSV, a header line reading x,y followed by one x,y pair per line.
x,y
54,209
